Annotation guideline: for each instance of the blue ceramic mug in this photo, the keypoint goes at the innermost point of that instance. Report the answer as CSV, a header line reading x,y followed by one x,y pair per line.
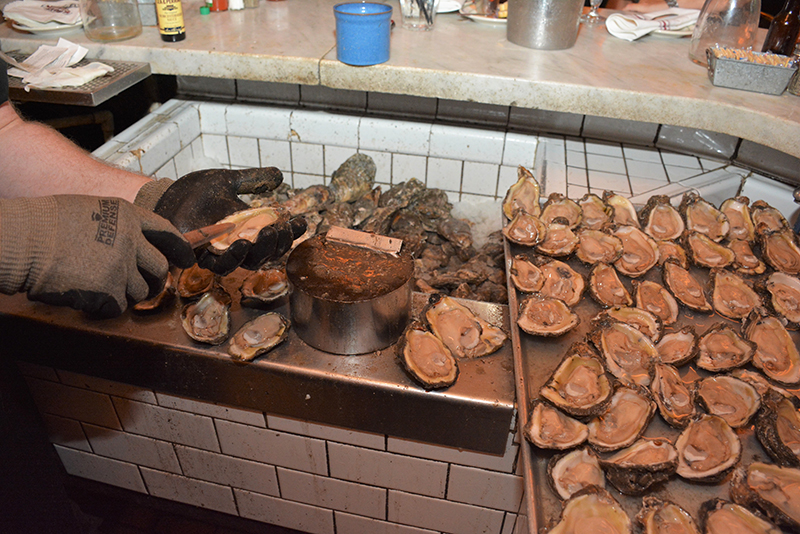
x,y
362,33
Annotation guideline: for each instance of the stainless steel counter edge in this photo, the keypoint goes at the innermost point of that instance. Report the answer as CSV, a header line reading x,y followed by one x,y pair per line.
x,y
368,392
649,80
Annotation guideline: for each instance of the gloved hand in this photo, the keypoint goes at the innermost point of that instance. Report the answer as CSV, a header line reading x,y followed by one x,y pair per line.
x,y
86,252
202,198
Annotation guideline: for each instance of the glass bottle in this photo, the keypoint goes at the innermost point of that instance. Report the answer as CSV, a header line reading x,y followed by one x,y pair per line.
x,y
112,20
170,20
784,29
731,23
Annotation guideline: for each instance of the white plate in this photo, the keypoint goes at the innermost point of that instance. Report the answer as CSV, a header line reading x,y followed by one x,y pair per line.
x,y
676,33
482,18
48,29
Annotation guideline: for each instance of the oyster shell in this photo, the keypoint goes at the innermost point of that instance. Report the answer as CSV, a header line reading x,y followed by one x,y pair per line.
x,y
758,381
629,354
780,251
194,281
549,428
685,287
523,195
623,421
776,353
164,297
426,358
639,251
722,517
720,348
664,517
642,320
654,298
593,510
773,489
354,178
778,428
673,397
738,214
606,287
707,449
263,288
734,400
560,207
704,252
561,282
660,220
580,385
570,472
248,225
525,229
624,212
525,275
596,214
258,336
766,218
463,332
559,240
784,291
313,198
744,259
669,250
546,316
634,469
700,216
208,320
678,348
595,247
732,297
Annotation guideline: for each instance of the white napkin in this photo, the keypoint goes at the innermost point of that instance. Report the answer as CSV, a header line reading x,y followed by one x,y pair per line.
x,y
52,66
32,13
630,25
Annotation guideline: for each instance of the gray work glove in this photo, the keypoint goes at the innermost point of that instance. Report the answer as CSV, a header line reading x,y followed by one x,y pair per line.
x,y
85,252
202,198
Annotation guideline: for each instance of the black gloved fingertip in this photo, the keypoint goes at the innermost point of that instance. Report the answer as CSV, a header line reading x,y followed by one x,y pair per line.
x,y
299,225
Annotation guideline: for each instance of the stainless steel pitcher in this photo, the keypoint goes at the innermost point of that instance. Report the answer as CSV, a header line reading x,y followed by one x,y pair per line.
x,y
543,24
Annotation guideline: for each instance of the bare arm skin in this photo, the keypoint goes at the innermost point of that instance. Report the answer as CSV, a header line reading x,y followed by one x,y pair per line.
x,y
38,161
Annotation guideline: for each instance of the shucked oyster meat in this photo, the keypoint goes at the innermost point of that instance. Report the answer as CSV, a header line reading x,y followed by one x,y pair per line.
x,y
525,275
655,299
559,240
523,195
258,336
781,252
580,385
595,247
426,358
561,281
766,218
734,400
745,260
674,398
624,212
664,517
623,421
707,449
778,428
732,297
593,510
546,316
639,251
633,470
784,291
700,216
248,224
570,472
704,252
642,320
774,490
678,348
606,288
685,287
776,353
559,206
549,428
628,353
208,320
720,348
741,223
722,517
596,213
525,229
463,332
660,220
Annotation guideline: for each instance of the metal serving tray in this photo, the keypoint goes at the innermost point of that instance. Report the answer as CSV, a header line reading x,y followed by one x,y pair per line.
x,y
535,359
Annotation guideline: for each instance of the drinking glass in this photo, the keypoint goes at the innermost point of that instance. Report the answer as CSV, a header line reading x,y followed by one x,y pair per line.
x,y
593,17
418,14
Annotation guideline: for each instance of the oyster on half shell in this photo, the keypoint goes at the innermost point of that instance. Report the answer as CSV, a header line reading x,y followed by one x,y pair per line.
x,y
738,214
642,320
624,212
523,195
720,348
732,297
628,353
525,275
426,358
550,428
264,287
722,517
669,250
194,281
208,320
674,398
596,214
525,229
546,316
624,420
780,251
248,225
700,216
559,206
559,239
774,490
664,517
704,252
776,353
258,336
595,247
580,385
707,449
633,470
463,332
655,299
561,281
685,287
570,472
660,220
778,428
606,287
734,400
784,291
639,251
745,260
593,510
678,348
766,218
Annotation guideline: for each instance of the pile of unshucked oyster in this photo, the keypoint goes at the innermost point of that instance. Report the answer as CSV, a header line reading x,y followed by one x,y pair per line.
x,y
446,262
739,261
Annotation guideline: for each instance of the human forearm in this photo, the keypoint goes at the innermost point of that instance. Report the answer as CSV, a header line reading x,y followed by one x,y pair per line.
x,y
39,161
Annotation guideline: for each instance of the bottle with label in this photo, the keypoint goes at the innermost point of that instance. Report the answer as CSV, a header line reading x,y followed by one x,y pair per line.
x,y
170,20
784,29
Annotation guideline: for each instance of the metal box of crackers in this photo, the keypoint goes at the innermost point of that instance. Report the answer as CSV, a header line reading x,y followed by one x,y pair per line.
x,y
758,72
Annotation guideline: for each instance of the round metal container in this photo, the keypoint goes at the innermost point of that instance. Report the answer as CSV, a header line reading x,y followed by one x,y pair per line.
x,y
543,24
347,299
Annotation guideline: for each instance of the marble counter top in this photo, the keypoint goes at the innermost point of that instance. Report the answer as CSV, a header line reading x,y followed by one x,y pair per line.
x,y
650,80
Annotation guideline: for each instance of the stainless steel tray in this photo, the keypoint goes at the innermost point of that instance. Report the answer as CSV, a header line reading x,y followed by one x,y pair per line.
x,y
535,358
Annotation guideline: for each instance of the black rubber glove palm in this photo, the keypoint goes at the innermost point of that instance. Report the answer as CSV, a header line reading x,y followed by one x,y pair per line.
x,y
205,197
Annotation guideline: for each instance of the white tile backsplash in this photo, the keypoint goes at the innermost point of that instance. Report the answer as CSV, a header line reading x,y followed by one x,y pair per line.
x,y
519,150
189,491
333,433
212,118
419,449
73,403
187,119
276,153
596,162
227,470
66,432
479,178
101,385
243,151
131,448
445,174
467,144
485,488
406,167
395,136
169,425
331,493
319,127
219,411
446,516
308,159
215,146
353,524
284,513
106,470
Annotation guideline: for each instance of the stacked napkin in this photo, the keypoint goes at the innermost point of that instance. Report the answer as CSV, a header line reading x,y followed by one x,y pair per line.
x,y
52,66
35,14
631,25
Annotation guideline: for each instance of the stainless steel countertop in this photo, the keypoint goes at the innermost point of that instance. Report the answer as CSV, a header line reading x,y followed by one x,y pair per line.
x,y
369,392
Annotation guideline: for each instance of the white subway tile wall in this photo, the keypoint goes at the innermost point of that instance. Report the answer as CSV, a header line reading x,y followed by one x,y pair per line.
x,y
307,476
